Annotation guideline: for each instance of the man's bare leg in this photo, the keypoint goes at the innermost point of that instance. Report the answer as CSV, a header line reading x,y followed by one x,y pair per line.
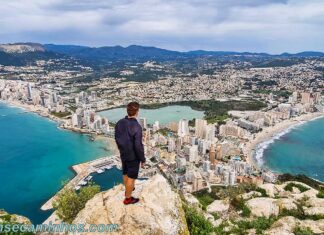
x,y
125,178
129,187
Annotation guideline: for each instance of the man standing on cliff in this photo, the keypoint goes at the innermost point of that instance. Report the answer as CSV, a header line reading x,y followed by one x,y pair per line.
x,y
128,136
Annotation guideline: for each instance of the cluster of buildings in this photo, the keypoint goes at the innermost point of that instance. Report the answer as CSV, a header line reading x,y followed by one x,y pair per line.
x,y
193,156
27,93
89,120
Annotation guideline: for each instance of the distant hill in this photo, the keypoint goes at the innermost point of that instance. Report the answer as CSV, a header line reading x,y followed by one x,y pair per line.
x,y
26,58
305,54
115,52
26,53
21,47
143,52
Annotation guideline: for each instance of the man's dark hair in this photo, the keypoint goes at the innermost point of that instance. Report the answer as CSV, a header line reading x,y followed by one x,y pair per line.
x,y
132,108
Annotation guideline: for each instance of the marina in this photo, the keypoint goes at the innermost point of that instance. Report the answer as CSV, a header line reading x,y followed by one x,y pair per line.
x,y
83,174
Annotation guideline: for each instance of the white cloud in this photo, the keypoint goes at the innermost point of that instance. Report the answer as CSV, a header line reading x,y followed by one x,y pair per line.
x,y
251,25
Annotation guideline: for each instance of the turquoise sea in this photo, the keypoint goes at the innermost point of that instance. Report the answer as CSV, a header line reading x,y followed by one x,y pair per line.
x,y
299,150
164,115
35,157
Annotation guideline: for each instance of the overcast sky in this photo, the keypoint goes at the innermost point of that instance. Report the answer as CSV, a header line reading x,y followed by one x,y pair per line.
x,y
272,26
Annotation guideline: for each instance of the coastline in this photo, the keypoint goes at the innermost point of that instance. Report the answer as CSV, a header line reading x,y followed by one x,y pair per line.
x,y
77,169
255,147
33,109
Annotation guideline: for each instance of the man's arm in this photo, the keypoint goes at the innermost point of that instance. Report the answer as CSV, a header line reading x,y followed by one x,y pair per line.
x,y
117,135
138,145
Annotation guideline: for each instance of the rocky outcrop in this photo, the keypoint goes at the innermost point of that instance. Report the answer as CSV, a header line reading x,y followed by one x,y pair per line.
x,y
286,203
158,212
271,189
13,218
286,225
218,206
21,47
263,206
251,194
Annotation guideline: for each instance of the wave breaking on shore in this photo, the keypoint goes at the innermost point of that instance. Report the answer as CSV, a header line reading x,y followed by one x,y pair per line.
x,y
258,155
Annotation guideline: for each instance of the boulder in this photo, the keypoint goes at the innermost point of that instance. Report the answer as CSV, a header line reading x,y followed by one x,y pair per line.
x,y
271,189
286,203
287,224
218,206
251,194
263,206
315,210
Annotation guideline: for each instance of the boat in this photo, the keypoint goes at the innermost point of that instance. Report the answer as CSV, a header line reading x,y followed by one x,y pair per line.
x,y
108,167
88,178
99,171
82,182
77,187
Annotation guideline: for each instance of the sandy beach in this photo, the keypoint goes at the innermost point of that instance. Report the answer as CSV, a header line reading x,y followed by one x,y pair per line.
x,y
111,144
269,132
34,109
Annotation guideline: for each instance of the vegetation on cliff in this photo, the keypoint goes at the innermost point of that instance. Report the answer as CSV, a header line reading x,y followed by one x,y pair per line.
x,y
69,202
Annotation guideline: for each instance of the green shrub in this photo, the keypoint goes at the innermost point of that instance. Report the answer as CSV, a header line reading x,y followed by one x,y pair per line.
x,y
239,204
8,222
320,193
260,224
301,178
289,187
262,191
215,215
197,223
246,212
69,203
205,198
303,231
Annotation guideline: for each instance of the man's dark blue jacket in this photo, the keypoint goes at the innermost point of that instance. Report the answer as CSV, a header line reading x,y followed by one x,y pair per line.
x,y
128,136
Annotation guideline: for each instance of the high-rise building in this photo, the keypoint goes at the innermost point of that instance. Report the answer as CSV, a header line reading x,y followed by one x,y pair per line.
x,y
212,155
173,126
193,154
306,98
200,125
219,154
232,178
210,132
171,145
183,128
54,97
143,123
206,166
30,91
156,126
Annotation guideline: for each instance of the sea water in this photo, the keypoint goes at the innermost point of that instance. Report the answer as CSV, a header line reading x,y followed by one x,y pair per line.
x,y
35,157
299,150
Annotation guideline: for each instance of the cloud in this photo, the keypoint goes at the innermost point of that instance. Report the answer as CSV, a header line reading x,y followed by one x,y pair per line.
x,y
251,25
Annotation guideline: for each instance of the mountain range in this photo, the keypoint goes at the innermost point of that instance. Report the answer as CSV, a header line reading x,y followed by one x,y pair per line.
x,y
22,53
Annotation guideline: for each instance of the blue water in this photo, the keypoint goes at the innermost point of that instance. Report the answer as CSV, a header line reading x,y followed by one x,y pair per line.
x,y
164,115
35,157
300,151
108,179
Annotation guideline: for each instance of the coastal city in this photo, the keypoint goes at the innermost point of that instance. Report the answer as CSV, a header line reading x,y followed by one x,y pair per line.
x,y
208,159
162,117
193,156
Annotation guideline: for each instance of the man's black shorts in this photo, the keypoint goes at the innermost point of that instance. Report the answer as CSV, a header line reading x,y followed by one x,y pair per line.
x,y
131,168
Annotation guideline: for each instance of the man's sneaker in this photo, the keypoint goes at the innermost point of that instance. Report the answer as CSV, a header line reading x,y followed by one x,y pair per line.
x,y
131,200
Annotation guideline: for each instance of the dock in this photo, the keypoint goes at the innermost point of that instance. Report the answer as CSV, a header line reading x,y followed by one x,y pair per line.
x,y
83,171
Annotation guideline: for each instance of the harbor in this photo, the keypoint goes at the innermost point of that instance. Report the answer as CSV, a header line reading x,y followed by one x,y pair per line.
x,y
83,174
